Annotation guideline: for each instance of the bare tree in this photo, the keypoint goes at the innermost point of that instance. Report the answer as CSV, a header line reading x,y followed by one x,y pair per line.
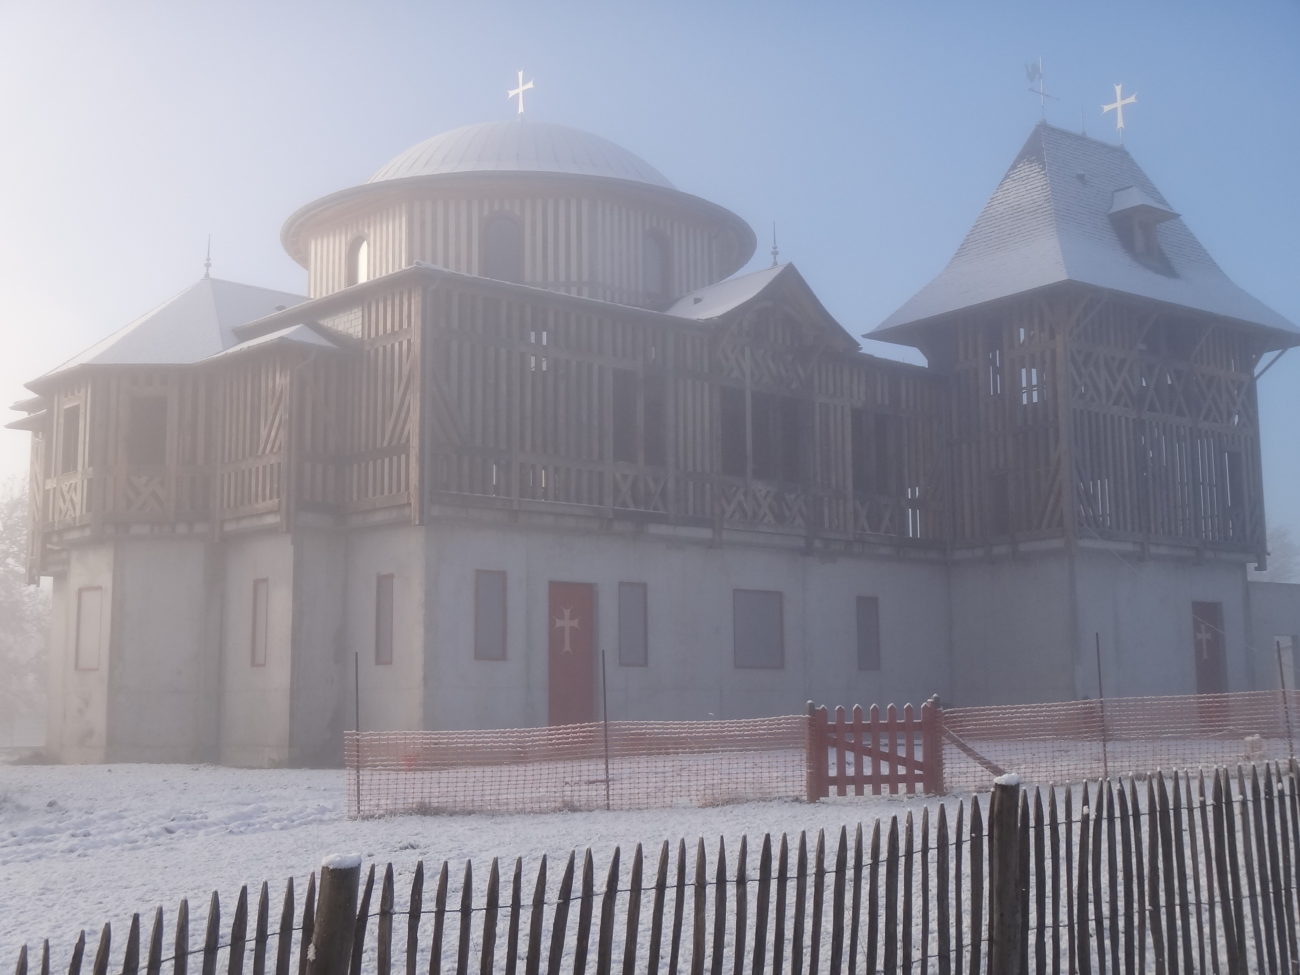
x,y
24,618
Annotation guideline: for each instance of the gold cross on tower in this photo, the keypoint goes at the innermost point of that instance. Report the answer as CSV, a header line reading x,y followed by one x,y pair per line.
x,y
519,92
1117,106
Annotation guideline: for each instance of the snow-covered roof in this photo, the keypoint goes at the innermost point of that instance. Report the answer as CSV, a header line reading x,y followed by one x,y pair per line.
x,y
520,146
302,335
718,299
782,282
197,323
1050,221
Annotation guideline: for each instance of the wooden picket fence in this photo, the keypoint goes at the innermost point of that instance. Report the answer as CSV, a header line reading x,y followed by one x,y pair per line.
x,y
1175,874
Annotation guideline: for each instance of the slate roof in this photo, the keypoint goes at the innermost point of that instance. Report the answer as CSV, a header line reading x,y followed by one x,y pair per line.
x,y
1049,222
301,334
520,146
197,323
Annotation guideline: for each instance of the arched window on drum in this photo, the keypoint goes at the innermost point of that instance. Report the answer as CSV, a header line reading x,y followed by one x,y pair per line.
x,y
655,276
358,266
503,249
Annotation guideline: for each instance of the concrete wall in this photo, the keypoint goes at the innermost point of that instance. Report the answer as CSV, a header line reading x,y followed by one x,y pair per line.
x,y
1274,613
164,680
691,673
1143,611
255,709
320,673
78,717
1011,634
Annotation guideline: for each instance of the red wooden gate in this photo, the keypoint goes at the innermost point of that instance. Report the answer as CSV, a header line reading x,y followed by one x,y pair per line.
x,y
847,754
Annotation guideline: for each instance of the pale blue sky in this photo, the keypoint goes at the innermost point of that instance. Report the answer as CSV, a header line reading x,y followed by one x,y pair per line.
x,y
871,133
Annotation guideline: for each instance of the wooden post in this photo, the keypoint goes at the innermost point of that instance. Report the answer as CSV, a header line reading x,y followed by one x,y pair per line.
x,y
336,916
816,756
1004,876
932,746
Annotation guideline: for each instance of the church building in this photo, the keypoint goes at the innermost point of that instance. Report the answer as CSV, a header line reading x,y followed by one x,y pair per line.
x,y
530,421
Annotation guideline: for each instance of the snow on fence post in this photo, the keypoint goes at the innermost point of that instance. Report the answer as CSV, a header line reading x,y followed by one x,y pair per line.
x,y
1004,876
932,747
336,916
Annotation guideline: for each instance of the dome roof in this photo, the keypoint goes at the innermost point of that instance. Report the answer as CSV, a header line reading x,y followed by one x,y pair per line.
x,y
520,146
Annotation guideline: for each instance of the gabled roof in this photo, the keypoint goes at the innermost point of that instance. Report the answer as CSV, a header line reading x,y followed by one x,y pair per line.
x,y
781,283
1050,221
197,323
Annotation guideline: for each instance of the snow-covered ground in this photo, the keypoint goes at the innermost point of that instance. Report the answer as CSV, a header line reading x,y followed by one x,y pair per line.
x,y
82,845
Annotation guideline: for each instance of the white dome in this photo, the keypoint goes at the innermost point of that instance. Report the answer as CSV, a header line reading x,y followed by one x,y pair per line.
x,y
520,146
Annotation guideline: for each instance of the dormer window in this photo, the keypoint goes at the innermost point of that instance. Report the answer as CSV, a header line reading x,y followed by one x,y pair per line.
x,y
1136,215
358,269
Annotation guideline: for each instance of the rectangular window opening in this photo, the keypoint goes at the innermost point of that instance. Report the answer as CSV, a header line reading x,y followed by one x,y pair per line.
x,y
90,610
261,594
632,624
384,619
868,632
489,614
758,629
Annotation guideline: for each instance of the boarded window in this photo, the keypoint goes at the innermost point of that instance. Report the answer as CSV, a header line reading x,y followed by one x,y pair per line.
x,y
758,627
70,440
503,249
489,615
261,595
384,619
90,610
868,633
639,424
632,635
146,431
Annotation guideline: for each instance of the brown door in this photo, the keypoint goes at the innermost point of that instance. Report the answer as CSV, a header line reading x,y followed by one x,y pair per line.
x,y
1207,642
572,625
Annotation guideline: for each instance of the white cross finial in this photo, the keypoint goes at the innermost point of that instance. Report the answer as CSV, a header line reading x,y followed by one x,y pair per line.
x,y
519,92
1118,107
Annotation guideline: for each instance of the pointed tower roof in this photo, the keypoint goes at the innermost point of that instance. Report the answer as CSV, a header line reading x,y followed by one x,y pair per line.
x,y
195,324
1059,215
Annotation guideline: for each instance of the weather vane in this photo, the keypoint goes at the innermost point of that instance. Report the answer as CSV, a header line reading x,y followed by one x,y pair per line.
x,y
776,251
519,92
1118,106
1034,72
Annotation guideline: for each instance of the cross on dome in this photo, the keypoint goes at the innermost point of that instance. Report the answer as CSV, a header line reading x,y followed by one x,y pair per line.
x,y
519,91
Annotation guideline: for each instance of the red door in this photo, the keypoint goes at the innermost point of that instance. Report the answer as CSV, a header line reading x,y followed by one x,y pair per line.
x,y
572,625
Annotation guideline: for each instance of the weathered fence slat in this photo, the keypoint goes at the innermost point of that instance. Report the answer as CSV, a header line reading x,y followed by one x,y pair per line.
x,y
261,929
415,904
976,836
815,922
21,968
1023,841
719,910
959,838
153,962
78,951
657,911
212,937
907,845
800,904
1112,878
698,942
1054,845
1040,886
891,897
782,877
533,955
1180,858
466,920
439,920
679,909
384,929
284,940
585,902
742,907
100,964
238,933
837,902
1252,879
633,913
873,902
761,906
492,902
1126,857
941,915
362,922
1098,906
516,909
1234,864
308,923
131,957
560,921
181,942
605,936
